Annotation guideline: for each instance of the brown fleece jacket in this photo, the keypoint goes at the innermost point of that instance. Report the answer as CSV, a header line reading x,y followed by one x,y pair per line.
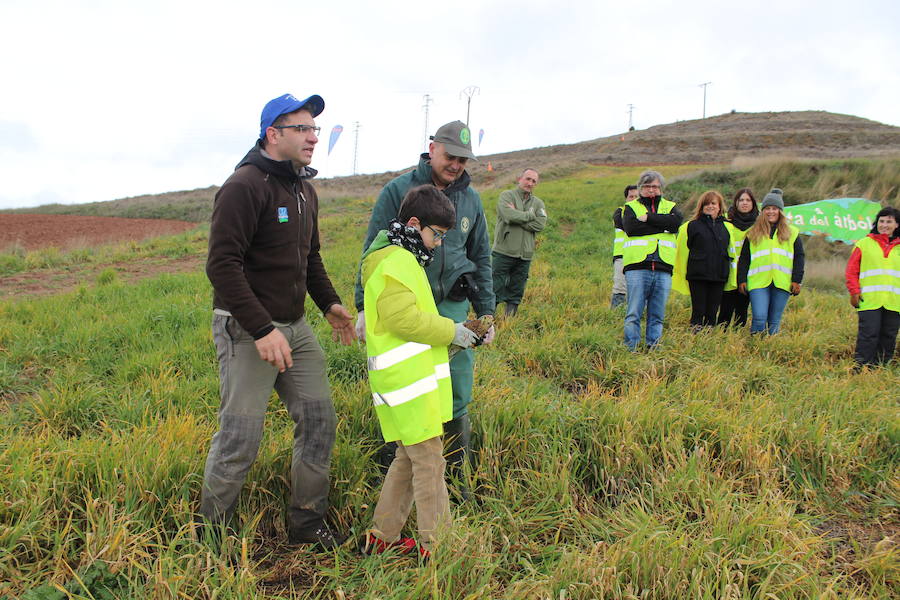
x,y
264,245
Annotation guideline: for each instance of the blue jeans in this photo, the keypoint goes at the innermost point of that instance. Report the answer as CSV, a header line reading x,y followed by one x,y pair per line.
x,y
646,289
768,305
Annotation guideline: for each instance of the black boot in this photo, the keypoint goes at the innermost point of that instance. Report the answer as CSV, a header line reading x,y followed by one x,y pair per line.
x,y
457,447
385,456
318,534
511,309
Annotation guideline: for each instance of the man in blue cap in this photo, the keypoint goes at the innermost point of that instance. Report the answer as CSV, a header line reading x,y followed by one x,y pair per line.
x,y
263,259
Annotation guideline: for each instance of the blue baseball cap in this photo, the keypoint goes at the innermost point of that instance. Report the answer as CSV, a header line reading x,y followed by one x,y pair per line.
x,y
287,104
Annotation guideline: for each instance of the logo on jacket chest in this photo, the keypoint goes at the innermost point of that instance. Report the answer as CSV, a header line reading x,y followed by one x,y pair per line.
x,y
465,224
282,214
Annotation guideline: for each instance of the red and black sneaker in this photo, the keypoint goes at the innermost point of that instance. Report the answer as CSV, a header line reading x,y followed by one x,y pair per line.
x,y
372,544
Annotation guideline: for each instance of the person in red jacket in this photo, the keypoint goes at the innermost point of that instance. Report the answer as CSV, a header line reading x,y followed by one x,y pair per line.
x,y
873,280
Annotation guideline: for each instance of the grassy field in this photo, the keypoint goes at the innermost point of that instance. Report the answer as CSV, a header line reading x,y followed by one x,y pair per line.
x,y
719,466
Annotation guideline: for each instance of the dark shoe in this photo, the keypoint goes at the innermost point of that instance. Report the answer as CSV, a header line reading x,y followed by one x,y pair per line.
x,y
321,536
372,544
385,456
510,310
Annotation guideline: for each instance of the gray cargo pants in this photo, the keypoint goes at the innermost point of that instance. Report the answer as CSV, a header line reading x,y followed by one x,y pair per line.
x,y
245,384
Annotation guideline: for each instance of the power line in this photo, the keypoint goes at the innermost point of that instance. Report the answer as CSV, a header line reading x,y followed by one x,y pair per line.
x,y
470,91
703,85
355,144
428,101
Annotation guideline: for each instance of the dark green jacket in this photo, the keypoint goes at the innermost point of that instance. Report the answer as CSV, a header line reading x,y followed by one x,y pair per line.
x,y
517,226
466,249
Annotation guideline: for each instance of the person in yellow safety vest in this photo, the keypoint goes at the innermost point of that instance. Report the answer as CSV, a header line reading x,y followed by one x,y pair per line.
x,y
703,259
741,216
770,268
648,255
409,370
619,287
873,280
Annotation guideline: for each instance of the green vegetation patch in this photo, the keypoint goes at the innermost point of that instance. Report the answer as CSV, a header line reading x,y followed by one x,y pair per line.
x,y
718,466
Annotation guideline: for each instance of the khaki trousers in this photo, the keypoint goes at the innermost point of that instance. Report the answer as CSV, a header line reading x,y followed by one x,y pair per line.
x,y
417,473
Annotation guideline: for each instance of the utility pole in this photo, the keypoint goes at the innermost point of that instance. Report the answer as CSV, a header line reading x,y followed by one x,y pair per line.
x,y
355,144
470,91
428,101
630,122
703,85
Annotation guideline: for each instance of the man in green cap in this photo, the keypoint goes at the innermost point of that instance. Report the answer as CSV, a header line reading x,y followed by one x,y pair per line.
x,y
459,275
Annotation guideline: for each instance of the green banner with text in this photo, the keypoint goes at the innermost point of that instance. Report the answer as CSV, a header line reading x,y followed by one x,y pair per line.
x,y
839,219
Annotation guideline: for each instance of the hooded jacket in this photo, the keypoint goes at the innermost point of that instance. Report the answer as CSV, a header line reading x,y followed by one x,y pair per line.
x,y
264,244
465,249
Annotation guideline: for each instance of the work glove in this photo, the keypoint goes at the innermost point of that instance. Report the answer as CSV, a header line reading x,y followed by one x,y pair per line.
x,y
464,337
489,336
361,326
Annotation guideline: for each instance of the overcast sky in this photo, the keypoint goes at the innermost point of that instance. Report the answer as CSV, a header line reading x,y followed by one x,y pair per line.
x,y
108,99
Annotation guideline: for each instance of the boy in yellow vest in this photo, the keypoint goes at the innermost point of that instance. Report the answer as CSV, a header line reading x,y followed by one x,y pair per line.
x,y
409,371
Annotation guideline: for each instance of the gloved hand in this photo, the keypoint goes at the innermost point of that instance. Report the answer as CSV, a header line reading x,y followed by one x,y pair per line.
x,y
464,337
361,326
855,299
489,336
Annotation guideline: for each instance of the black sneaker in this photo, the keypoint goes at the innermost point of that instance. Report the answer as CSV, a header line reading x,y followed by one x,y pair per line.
x,y
321,536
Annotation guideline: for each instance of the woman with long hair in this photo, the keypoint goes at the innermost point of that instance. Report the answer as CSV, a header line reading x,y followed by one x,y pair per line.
x,y
703,259
770,269
873,280
741,216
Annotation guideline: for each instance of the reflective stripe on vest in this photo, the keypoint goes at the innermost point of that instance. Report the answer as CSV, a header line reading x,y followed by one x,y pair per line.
x,y
410,381
619,238
396,355
772,261
737,242
879,276
637,248
619,242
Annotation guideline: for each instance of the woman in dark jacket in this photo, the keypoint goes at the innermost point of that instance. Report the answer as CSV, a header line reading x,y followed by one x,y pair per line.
x,y
708,260
741,216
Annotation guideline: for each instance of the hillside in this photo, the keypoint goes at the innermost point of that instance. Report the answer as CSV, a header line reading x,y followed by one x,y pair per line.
x,y
720,465
720,139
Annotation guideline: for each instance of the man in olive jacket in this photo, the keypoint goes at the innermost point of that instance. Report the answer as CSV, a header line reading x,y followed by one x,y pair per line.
x,y
520,215
263,259
461,270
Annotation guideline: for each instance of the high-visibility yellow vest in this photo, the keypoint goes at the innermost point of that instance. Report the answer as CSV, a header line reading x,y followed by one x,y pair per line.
x,y
619,239
772,261
410,381
734,251
879,277
637,248
679,271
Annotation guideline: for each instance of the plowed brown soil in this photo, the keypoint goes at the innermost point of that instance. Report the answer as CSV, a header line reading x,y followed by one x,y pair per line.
x,y
67,232
33,231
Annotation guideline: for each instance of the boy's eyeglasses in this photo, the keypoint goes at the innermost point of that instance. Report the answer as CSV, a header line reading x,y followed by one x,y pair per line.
x,y
438,235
